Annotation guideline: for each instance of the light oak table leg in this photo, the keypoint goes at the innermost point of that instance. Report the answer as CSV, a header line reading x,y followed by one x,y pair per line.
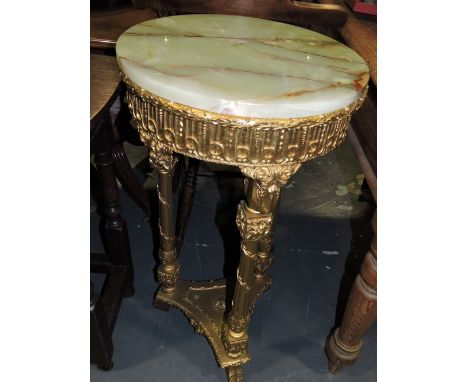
x,y
344,344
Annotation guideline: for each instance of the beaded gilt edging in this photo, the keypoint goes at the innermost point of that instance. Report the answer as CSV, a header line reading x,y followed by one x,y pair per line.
x,y
235,140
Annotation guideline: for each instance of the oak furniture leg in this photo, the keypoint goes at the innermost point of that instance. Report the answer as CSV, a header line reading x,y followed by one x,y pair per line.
x,y
344,344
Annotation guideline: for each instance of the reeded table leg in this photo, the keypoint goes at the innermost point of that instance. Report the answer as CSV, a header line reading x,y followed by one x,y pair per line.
x,y
253,227
255,223
168,272
344,345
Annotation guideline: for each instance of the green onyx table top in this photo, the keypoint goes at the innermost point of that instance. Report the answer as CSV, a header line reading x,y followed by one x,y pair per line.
x,y
241,66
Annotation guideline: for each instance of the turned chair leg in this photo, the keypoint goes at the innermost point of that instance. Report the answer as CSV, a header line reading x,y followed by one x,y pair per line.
x,y
344,344
113,226
186,201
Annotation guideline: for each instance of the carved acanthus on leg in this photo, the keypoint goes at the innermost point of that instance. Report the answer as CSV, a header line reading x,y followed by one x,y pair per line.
x,y
162,158
263,192
164,162
255,222
344,345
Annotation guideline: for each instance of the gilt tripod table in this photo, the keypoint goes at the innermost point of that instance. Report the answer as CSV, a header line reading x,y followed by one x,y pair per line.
x,y
257,94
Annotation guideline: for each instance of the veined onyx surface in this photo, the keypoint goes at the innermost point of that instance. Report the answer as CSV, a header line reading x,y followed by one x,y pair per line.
x,y
241,66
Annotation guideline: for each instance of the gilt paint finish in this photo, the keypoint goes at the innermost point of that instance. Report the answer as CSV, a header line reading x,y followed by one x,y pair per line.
x,y
261,95
242,66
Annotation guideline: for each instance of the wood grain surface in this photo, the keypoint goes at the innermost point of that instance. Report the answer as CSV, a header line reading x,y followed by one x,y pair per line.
x,y
105,80
344,344
107,25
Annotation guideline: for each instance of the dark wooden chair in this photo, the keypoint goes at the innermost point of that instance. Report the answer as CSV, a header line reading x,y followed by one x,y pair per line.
x,y
116,263
107,140
107,23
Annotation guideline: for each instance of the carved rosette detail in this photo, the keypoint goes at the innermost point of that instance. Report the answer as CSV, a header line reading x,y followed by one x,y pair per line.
x,y
161,158
233,140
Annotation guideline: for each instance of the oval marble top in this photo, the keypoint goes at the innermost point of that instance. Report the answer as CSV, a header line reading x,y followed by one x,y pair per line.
x,y
241,66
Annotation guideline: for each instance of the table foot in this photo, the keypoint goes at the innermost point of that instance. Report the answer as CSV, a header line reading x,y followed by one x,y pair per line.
x,y
204,304
338,354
